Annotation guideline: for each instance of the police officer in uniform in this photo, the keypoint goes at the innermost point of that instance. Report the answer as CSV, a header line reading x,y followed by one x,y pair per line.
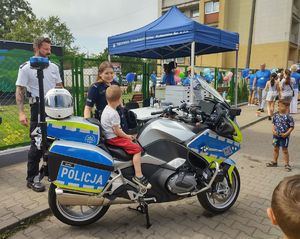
x,y
28,81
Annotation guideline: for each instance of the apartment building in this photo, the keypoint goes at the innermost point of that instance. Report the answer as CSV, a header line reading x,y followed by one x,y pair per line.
x,y
275,32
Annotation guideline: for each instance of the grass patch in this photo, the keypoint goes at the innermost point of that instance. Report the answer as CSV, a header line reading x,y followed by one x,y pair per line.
x,y
12,133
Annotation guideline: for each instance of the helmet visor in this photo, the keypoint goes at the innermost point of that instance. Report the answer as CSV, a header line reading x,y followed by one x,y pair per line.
x,y
58,101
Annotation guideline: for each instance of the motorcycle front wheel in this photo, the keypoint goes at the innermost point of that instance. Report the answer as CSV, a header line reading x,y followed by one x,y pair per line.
x,y
74,215
222,195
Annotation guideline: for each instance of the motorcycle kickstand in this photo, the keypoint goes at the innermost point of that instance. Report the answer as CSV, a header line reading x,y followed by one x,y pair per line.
x,y
143,209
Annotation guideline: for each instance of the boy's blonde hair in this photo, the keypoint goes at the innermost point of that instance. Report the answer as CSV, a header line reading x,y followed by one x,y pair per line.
x,y
113,93
286,206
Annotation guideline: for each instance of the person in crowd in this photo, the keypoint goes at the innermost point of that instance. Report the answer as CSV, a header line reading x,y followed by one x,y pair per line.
x,y
285,207
272,89
260,81
294,102
96,94
153,80
252,90
169,74
27,79
280,75
283,125
286,87
114,135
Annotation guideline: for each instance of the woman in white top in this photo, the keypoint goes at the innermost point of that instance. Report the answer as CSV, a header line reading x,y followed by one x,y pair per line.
x,y
272,89
286,87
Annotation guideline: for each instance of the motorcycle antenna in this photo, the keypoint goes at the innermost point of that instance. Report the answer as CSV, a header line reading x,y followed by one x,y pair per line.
x,y
40,63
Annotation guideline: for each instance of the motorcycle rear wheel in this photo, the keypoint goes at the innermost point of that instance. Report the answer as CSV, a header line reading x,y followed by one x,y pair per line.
x,y
74,215
222,196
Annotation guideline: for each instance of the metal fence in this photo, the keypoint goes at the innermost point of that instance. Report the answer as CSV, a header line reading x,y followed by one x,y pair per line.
x,y
79,73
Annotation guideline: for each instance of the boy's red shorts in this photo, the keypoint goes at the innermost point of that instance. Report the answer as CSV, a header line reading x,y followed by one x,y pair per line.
x,y
126,144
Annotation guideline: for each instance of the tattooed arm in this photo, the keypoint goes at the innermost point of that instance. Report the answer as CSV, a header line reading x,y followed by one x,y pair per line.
x,y
20,95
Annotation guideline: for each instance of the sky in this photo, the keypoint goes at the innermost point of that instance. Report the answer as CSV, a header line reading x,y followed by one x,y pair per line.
x,y
92,21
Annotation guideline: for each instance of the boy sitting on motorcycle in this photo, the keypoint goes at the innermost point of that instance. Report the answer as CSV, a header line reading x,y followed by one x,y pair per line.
x,y
110,122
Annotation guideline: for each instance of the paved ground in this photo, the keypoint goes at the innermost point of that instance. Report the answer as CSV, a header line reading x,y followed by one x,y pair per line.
x,y
183,219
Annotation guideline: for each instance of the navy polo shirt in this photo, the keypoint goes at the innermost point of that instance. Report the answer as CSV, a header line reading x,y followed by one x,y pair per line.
x,y
96,95
262,77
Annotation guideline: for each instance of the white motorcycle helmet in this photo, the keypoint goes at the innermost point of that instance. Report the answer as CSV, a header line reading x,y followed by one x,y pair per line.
x,y
58,103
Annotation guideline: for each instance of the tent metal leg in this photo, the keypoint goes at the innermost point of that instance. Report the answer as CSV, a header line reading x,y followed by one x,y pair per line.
x,y
236,78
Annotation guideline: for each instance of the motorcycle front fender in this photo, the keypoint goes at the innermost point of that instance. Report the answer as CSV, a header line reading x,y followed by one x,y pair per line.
x,y
231,165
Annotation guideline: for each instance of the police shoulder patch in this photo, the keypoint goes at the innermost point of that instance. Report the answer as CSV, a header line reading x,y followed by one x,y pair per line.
x,y
24,64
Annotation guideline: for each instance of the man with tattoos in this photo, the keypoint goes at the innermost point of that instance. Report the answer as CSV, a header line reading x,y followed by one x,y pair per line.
x,y
28,81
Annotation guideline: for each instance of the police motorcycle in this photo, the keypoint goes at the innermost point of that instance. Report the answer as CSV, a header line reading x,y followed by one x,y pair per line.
x,y
185,153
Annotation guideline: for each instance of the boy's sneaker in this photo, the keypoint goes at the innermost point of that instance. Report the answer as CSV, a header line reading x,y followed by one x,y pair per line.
x,y
142,181
288,168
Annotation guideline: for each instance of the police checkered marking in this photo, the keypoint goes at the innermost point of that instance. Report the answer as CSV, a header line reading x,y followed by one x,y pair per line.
x,y
73,184
60,182
55,126
88,186
70,128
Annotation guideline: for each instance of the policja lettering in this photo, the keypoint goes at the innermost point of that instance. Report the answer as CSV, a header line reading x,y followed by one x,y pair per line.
x,y
76,175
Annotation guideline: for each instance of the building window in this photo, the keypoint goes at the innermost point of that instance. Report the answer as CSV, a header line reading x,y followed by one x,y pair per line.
x,y
211,7
195,13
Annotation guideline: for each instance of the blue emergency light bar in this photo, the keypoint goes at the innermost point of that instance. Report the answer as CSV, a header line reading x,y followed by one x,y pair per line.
x,y
37,62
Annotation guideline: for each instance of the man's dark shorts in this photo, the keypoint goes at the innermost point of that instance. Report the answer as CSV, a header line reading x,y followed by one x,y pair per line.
x,y
280,142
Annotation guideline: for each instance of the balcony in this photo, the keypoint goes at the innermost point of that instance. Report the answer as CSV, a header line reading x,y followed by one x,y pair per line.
x,y
179,3
211,18
294,38
296,11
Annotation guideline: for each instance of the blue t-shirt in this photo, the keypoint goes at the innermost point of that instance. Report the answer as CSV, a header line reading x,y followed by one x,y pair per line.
x,y
168,79
282,122
297,80
186,82
251,79
153,78
262,77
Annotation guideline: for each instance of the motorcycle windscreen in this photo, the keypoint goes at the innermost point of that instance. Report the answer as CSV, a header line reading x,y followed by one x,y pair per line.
x,y
79,167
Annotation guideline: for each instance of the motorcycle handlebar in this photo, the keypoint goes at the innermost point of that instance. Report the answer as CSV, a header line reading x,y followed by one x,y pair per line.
x,y
167,110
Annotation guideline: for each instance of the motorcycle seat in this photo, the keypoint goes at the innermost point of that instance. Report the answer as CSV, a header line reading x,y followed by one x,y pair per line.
x,y
118,153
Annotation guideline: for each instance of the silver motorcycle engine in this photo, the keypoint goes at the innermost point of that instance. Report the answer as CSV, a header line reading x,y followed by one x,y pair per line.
x,y
182,182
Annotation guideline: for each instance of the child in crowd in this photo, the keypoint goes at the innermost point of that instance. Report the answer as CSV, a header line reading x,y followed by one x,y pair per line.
x,y
283,125
110,122
272,89
285,207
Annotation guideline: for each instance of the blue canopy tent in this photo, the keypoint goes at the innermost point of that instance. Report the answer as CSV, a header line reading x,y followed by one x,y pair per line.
x,y
173,35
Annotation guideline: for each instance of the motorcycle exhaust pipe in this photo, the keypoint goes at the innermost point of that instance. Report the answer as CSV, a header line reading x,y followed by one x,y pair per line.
x,y
72,199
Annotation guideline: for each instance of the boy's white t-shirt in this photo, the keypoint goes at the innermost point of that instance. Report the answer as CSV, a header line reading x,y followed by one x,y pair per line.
x,y
110,118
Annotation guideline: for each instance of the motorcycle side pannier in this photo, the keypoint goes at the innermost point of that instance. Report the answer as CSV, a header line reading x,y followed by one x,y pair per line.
x,y
79,166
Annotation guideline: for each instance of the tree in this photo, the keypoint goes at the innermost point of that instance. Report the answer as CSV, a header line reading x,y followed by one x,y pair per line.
x,y
11,11
57,31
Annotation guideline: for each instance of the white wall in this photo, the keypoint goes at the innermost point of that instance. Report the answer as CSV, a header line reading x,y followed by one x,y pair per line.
x,y
272,21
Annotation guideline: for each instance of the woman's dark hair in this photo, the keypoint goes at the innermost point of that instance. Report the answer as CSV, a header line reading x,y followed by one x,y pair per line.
x,y
273,78
165,66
